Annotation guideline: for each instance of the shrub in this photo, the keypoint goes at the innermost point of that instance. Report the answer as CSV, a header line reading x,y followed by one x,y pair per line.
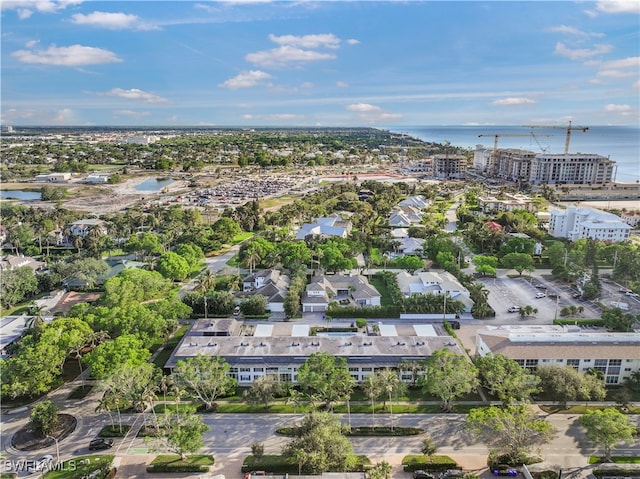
x,y
433,463
44,418
172,463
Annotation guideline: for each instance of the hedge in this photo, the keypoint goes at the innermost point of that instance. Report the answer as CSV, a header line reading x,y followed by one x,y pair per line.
x,y
172,463
363,312
114,431
434,463
287,465
616,471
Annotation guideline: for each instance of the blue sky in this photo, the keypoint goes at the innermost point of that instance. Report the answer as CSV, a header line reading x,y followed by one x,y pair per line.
x,y
297,63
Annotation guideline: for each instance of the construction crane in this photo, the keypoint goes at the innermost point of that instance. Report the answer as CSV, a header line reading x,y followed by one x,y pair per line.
x,y
494,155
568,128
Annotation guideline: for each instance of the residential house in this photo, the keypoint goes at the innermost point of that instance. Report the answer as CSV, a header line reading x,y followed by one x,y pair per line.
x,y
270,283
431,282
407,245
53,177
346,290
82,227
615,355
329,226
11,262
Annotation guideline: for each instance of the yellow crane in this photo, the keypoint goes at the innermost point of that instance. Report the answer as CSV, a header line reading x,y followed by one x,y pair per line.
x,y
569,130
494,155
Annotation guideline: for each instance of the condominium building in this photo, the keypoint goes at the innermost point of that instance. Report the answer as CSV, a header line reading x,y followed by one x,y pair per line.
x,y
506,202
615,355
514,164
449,166
280,349
574,168
575,223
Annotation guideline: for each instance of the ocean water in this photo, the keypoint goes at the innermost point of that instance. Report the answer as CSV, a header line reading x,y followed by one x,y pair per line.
x,y
619,143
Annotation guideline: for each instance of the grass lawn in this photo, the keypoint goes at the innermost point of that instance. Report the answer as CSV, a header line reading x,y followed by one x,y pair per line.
x,y
556,409
173,463
114,431
77,468
380,285
241,237
616,459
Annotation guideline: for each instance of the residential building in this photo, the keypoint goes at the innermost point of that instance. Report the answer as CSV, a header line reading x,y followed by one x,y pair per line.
x,y
615,355
11,262
98,178
575,223
82,227
449,166
407,245
270,283
482,157
53,177
573,168
279,349
632,218
430,282
514,164
346,290
506,202
330,226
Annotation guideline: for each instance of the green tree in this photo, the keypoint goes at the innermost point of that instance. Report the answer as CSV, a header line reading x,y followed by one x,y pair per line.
x,y
204,377
506,379
182,433
617,320
388,387
44,418
108,356
254,305
320,445
173,266
485,265
325,377
192,253
16,285
428,447
448,376
607,428
563,384
519,261
511,431
382,470
410,262
263,390
144,245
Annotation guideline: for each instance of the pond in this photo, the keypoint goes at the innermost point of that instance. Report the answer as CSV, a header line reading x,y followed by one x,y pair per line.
x,y
22,195
153,184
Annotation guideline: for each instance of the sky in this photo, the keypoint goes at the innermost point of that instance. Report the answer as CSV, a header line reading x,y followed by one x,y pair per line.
x,y
323,63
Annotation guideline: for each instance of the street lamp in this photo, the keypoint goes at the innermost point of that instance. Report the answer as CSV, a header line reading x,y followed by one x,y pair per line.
x,y
57,448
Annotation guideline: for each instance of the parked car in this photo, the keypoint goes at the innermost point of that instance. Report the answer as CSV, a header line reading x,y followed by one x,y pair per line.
x,y
623,290
554,296
514,309
541,295
451,474
419,474
249,475
505,472
631,293
454,324
40,464
100,443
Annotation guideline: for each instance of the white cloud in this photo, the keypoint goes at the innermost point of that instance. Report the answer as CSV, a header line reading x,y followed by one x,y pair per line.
x,y
26,8
71,56
273,117
636,85
623,109
372,114
615,74
284,55
135,94
63,116
326,40
112,21
353,41
618,6
573,31
511,101
629,62
581,53
246,80
135,115
341,84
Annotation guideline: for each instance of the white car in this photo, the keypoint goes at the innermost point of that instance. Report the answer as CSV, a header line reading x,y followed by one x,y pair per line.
x,y
631,293
40,464
541,295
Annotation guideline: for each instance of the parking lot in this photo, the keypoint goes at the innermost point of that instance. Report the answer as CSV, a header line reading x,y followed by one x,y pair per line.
x,y
505,293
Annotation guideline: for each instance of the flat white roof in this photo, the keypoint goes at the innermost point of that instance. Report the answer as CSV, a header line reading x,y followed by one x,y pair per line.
x,y
424,330
263,331
387,330
300,330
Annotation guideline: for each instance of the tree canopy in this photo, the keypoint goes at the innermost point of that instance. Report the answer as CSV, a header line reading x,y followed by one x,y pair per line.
x,y
448,376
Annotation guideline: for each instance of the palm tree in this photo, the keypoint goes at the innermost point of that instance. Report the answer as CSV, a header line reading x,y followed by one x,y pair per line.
x,y
370,388
205,282
390,386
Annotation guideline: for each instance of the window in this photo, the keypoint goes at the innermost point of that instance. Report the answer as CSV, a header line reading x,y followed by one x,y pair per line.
x,y
574,363
612,380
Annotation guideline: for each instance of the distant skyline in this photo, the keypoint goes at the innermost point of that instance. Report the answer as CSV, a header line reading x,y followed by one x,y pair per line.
x,y
337,63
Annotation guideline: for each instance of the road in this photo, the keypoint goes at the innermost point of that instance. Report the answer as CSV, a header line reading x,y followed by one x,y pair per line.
x,y
230,436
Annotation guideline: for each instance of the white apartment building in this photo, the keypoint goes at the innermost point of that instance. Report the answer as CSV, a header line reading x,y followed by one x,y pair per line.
x,y
506,202
575,223
573,168
279,349
631,218
482,157
616,355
